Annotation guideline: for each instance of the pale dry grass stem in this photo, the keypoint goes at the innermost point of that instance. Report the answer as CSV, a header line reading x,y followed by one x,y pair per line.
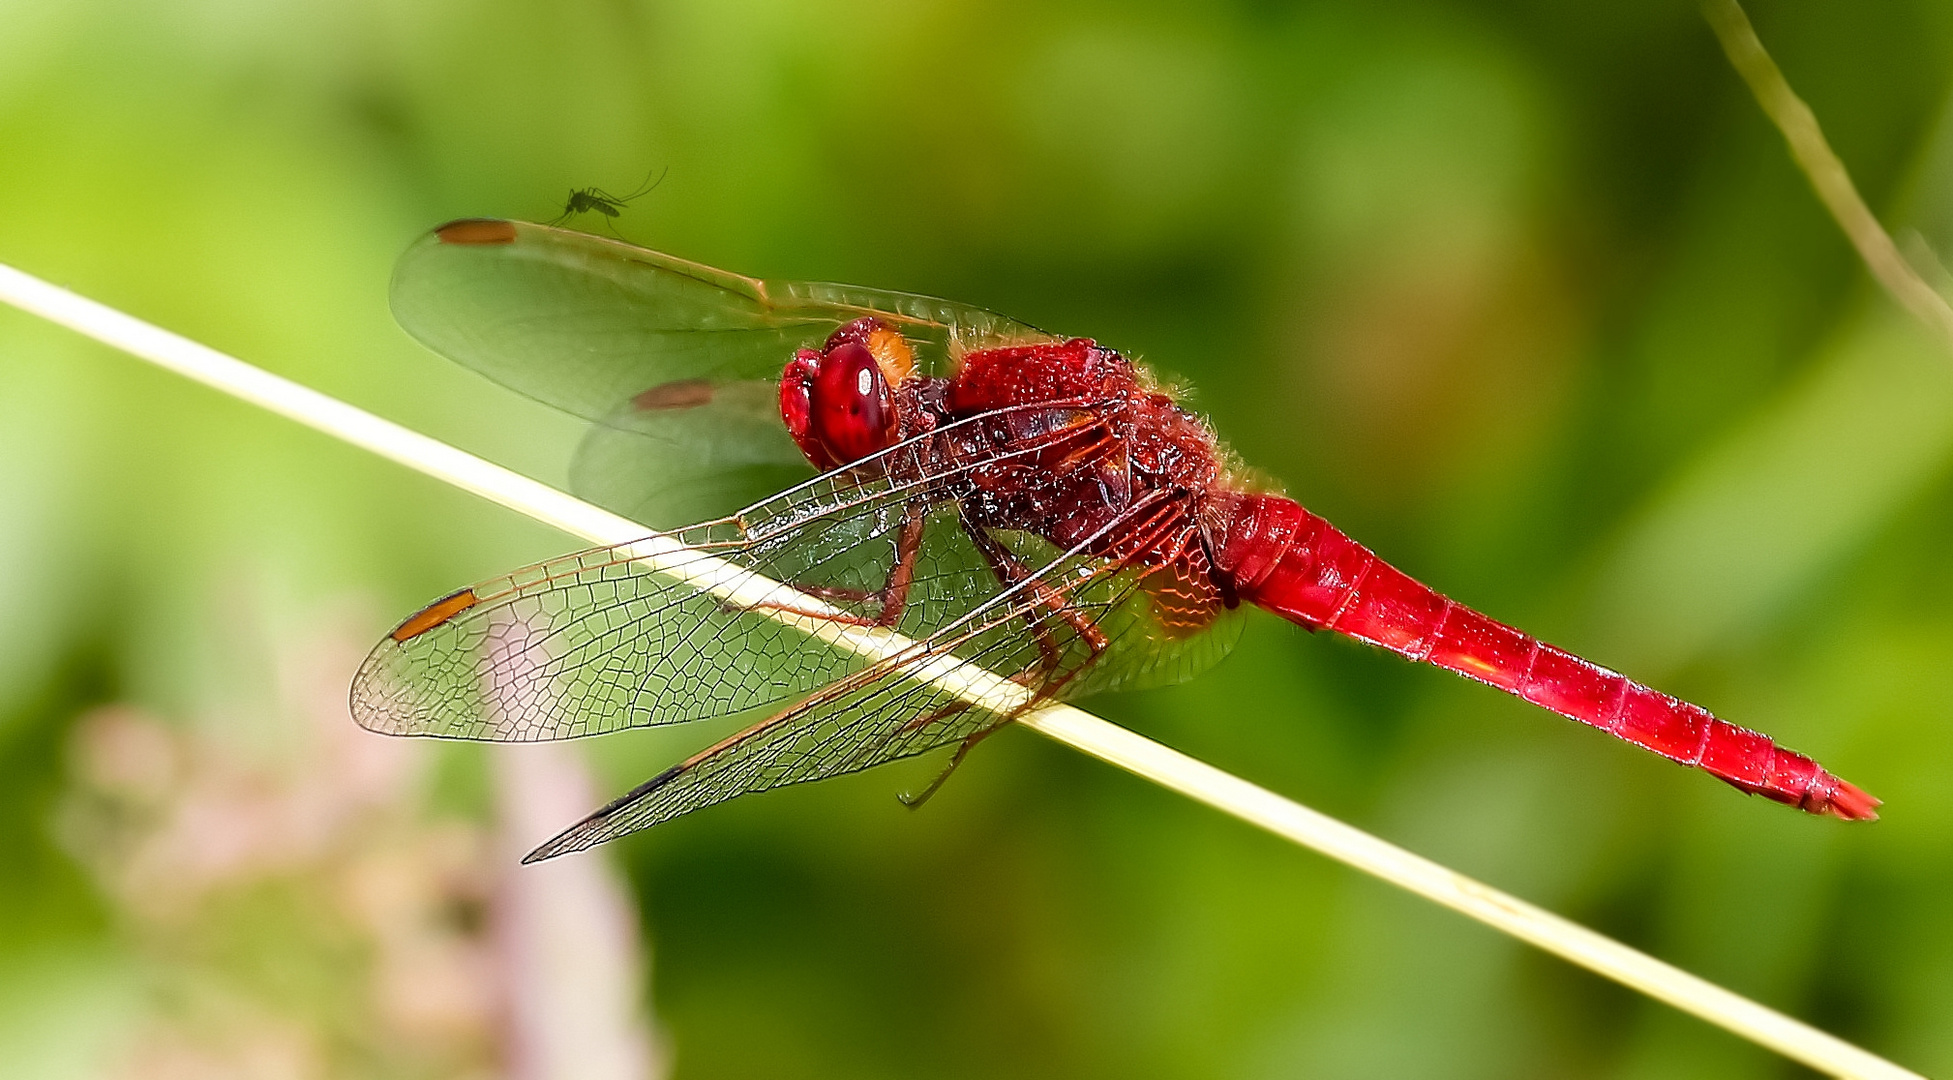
x,y
1073,727
1820,164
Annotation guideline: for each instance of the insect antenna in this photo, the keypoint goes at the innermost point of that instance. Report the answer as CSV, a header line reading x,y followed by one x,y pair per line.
x,y
597,200
647,187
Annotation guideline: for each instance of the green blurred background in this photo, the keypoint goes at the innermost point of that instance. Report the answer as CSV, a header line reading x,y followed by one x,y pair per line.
x,y
1528,297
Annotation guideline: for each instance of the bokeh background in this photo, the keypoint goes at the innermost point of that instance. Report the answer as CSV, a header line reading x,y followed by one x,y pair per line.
x,y
1527,296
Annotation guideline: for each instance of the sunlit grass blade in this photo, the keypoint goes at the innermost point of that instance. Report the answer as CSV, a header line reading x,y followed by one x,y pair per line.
x,y
1073,727
1823,168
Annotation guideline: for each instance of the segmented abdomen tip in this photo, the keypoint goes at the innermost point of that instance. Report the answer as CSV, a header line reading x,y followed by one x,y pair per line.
x,y
1851,803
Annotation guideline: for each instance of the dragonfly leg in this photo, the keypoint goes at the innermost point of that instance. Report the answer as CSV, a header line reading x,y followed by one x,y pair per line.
x,y
891,600
1049,681
908,545
915,801
1010,573
1052,674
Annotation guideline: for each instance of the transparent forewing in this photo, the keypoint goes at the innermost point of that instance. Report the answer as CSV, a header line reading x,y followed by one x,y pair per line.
x,y
607,639
694,451
1077,622
860,724
604,640
586,324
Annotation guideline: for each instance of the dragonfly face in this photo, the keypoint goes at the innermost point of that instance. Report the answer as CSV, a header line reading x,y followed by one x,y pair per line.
x,y
840,404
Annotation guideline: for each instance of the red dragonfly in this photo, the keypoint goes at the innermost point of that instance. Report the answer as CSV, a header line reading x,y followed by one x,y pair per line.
x,y
1033,504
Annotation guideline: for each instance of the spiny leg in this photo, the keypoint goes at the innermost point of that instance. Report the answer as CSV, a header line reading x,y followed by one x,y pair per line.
x,y
908,545
1096,642
1011,573
892,597
915,801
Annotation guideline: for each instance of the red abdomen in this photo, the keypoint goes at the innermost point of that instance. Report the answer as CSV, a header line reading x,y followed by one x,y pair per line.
x,y
1297,565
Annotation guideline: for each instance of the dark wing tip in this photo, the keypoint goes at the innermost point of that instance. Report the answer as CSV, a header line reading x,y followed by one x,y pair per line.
x,y
477,231
593,830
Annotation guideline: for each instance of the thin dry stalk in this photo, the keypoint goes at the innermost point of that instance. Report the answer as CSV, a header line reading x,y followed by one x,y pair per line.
x,y
1079,730
1821,166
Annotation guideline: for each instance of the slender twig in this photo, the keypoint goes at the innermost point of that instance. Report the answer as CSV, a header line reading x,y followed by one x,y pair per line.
x,y
1821,166
1079,730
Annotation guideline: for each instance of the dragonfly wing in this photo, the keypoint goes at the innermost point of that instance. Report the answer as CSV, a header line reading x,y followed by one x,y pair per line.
x,y
1107,633
586,323
1167,628
689,451
603,640
863,723
587,644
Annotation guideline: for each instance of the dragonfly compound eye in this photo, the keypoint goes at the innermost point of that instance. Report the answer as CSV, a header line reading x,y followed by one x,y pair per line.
x,y
797,407
852,409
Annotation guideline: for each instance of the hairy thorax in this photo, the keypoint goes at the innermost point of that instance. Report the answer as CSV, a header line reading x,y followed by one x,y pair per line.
x,y
1075,437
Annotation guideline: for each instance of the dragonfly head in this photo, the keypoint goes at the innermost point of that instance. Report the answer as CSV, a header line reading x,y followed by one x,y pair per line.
x,y
839,403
